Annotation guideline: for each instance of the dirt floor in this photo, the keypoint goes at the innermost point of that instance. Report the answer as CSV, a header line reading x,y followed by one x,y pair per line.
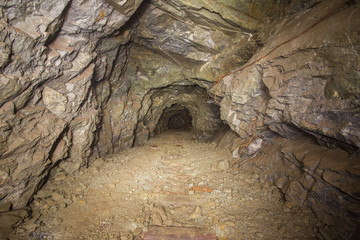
x,y
172,188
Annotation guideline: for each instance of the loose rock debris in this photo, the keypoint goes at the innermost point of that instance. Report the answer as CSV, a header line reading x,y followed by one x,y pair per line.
x,y
171,188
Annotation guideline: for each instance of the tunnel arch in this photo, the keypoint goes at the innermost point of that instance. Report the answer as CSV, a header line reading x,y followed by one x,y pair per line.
x,y
204,114
176,117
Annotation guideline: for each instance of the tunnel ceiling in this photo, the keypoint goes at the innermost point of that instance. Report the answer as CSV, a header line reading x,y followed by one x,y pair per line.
x,y
196,41
80,79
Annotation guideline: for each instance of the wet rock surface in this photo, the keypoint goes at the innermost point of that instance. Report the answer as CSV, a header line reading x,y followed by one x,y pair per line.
x,y
171,182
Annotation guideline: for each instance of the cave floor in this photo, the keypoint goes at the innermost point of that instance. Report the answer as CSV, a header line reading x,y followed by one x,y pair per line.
x,y
171,188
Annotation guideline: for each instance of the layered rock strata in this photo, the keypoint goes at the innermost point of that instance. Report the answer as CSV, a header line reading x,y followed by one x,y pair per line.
x,y
82,79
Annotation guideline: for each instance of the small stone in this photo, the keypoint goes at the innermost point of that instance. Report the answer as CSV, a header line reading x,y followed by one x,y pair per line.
x,y
158,216
224,165
197,214
126,235
58,221
281,230
227,190
57,197
259,235
98,163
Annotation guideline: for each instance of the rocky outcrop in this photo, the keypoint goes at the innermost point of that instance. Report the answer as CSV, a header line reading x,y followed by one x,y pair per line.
x,y
48,108
304,81
310,82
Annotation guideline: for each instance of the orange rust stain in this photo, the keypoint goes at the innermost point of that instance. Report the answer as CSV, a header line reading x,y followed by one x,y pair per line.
x,y
201,189
102,14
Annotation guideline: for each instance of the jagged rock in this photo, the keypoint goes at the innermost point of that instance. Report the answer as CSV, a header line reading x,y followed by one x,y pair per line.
x,y
97,16
326,180
41,22
78,74
78,87
11,86
43,43
125,6
82,129
54,101
292,83
4,54
244,100
205,52
27,164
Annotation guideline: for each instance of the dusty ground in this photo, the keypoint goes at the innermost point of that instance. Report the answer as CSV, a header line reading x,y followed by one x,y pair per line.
x,y
172,186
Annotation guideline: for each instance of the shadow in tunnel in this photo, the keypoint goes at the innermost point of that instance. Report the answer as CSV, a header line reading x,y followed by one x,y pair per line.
x,y
176,117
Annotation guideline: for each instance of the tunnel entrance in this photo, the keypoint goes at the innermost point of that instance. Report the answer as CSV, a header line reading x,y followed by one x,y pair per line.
x,y
176,117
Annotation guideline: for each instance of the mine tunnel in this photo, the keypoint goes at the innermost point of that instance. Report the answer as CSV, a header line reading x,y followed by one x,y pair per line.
x,y
176,117
181,119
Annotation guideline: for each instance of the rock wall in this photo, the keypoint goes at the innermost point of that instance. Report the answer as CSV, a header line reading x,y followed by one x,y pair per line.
x,y
310,82
303,84
51,69
89,78
325,180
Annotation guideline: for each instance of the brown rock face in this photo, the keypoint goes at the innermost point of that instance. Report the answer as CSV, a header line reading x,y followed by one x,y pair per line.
x,y
304,82
48,110
84,79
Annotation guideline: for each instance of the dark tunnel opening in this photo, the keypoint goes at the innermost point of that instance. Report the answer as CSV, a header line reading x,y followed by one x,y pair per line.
x,y
180,120
176,117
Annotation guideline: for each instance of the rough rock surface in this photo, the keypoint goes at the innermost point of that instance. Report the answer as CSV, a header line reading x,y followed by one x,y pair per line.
x,y
82,79
325,180
48,108
304,80
311,82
